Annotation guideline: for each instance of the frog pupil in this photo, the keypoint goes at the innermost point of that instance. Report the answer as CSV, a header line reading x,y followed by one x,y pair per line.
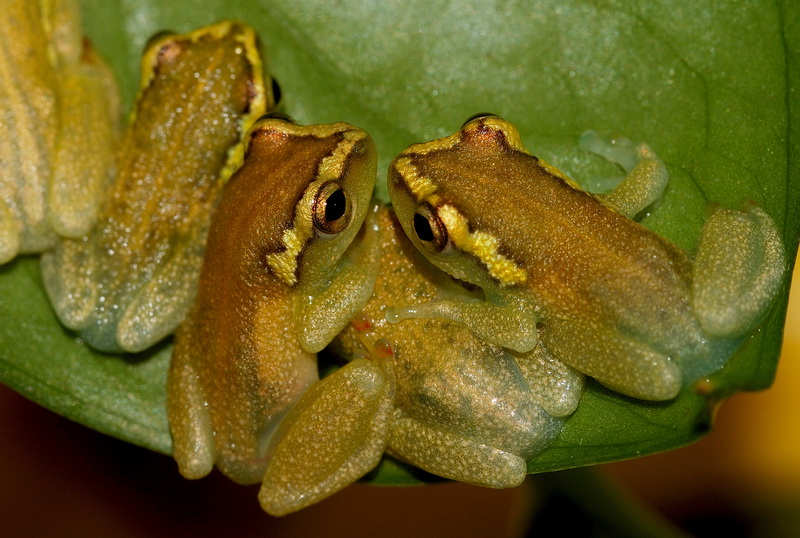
x,y
335,206
423,228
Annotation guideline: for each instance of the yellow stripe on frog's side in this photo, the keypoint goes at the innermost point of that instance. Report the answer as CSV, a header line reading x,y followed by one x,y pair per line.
x,y
482,245
285,263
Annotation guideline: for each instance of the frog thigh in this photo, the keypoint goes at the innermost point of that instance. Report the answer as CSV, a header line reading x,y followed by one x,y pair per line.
x,y
159,307
554,385
331,309
738,268
9,234
189,420
67,275
334,434
646,179
452,456
623,365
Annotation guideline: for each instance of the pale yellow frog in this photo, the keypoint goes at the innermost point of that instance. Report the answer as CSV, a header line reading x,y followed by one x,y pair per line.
x,y
572,270
427,391
128,283
59,109
278,283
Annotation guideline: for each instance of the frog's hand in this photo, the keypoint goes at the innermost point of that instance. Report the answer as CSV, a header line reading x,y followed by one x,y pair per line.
x,y
452,456
158,308
623,365
67,273
88,134
189,420
9,234
331,309
646,178
335,434
511,325
556,386
738,268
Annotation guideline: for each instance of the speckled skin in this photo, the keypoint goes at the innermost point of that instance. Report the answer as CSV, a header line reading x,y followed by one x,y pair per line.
x,y
129,283
59,107
604,294
429,392
246,351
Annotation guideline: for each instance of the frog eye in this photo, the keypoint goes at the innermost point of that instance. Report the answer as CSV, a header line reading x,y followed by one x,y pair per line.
x,y
478,116
430,229
331,209
277,94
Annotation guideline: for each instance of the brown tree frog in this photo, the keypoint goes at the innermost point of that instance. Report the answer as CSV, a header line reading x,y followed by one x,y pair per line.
x,y
278,282
128,284
427,391
59,107
557,265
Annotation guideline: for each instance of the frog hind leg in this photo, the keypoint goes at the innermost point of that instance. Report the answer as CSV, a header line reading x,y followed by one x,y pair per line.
x,y
556,386
334,434
646,178
623,365
159,307
453,456
738,269
88,134
189,419
67,275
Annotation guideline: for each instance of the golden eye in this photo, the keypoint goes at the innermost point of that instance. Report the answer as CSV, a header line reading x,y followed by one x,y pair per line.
x,y
331,209
429,228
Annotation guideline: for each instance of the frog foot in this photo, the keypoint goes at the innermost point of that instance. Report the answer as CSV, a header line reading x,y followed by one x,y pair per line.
x,y
646,178
738,268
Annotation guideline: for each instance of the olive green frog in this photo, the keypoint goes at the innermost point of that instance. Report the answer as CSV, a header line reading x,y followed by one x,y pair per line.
x,y
59,108
574,271
278,282
427,391
129,282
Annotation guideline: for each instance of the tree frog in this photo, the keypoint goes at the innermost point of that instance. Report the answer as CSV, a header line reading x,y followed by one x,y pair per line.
x,y
59,107
428,391
557,265
129,282
279,281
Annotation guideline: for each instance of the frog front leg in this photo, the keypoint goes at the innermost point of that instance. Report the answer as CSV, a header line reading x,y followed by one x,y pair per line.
x,y
646,178
738,268
334,434
324,313
505,319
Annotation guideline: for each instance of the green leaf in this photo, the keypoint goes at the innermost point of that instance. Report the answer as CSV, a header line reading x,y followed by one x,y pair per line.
x,y
712,87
